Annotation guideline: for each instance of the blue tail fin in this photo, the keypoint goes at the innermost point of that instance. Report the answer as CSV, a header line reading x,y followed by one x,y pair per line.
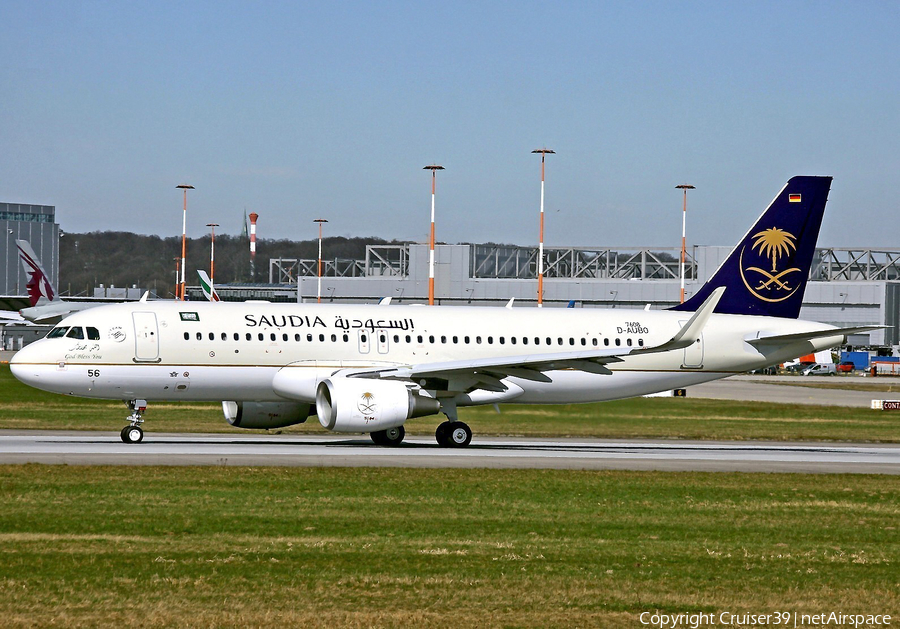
x,y
766,273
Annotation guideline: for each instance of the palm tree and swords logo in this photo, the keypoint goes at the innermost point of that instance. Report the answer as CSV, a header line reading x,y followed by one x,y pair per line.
x,y
773,243
367,406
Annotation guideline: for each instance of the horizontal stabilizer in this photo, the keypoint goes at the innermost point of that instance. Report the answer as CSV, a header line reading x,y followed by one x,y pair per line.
x,y
782,339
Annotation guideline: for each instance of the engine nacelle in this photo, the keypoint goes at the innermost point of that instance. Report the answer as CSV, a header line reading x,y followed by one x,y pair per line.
x,y
265,414
363,405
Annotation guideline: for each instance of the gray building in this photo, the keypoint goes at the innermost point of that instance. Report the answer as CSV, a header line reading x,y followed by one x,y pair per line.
x,y
847,287
36,224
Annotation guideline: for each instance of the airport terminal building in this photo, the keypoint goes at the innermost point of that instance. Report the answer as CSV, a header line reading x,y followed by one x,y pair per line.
x,y
36,224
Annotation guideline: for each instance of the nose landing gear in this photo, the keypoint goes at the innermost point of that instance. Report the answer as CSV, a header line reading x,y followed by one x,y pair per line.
x,y
133,433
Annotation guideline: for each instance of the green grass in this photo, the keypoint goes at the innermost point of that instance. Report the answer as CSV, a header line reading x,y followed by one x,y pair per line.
x,y
22,407
216,547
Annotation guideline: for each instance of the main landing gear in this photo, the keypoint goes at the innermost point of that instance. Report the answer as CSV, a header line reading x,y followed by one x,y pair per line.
x,y
452,433
133,433
390,437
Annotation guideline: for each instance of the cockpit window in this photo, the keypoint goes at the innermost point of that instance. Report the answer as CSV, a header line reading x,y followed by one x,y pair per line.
x,y
75,333
93,334
56,333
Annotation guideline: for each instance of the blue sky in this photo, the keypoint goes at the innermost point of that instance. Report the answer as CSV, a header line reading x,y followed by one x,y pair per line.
x,y
301,110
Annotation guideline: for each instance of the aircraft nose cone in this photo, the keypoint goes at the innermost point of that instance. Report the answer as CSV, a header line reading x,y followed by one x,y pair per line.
x,y
23,366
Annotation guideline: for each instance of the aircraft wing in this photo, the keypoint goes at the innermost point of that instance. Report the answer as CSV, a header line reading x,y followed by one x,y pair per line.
x,y
784,339
486,373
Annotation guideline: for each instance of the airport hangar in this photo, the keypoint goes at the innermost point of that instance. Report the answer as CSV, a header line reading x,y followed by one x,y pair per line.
x,y
848,287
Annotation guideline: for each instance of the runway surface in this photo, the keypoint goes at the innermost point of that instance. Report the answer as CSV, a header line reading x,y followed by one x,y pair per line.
x,y
103,448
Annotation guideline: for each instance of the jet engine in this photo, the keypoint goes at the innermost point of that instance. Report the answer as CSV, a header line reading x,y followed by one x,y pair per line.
x,y
265,414
364,405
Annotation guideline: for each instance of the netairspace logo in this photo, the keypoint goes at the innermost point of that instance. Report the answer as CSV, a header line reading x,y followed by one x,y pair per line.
x,y
776,619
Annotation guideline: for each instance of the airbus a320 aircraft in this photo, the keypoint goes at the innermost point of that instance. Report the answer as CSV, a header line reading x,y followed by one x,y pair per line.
x,y
369,369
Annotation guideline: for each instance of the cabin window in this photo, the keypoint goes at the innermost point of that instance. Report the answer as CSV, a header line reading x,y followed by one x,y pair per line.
x,y
618,342
583,341
199,336
490,340
346,339
284,337
224,336
466,340
93,334
57,333
537,340
628,342
549,341
478,340
75,333
321,338
571,341
524,340
249,336
431,338
419,338
641,342
272,336
237,337
559,341
594,342
512,340
502,341
261,336
363,338
606,342
382,338
297,338
309,338
408,338
334,338
187,336
443,339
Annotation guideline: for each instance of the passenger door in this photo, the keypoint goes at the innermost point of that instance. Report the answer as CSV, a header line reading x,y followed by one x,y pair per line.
x,y
146,337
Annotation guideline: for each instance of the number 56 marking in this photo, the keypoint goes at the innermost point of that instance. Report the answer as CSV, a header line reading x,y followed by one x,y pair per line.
x,y
93,373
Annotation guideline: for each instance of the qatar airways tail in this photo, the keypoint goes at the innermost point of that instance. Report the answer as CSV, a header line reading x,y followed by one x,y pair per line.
x,y
46,305
371,368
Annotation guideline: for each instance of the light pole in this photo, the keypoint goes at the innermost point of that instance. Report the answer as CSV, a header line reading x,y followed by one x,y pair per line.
x,y
319,284
177,272
433,168
212,254
684,187
180,289
544,152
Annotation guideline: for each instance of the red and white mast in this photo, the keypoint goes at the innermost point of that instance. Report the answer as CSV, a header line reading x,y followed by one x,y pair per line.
x,y
180,289
433,168
544,152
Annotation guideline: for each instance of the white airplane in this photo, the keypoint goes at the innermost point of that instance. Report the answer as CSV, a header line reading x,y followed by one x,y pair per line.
x,y
369,368
46,305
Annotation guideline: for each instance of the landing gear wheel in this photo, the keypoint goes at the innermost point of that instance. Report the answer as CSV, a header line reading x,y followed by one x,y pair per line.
x,y
390,437
132,434
459,435
441,435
